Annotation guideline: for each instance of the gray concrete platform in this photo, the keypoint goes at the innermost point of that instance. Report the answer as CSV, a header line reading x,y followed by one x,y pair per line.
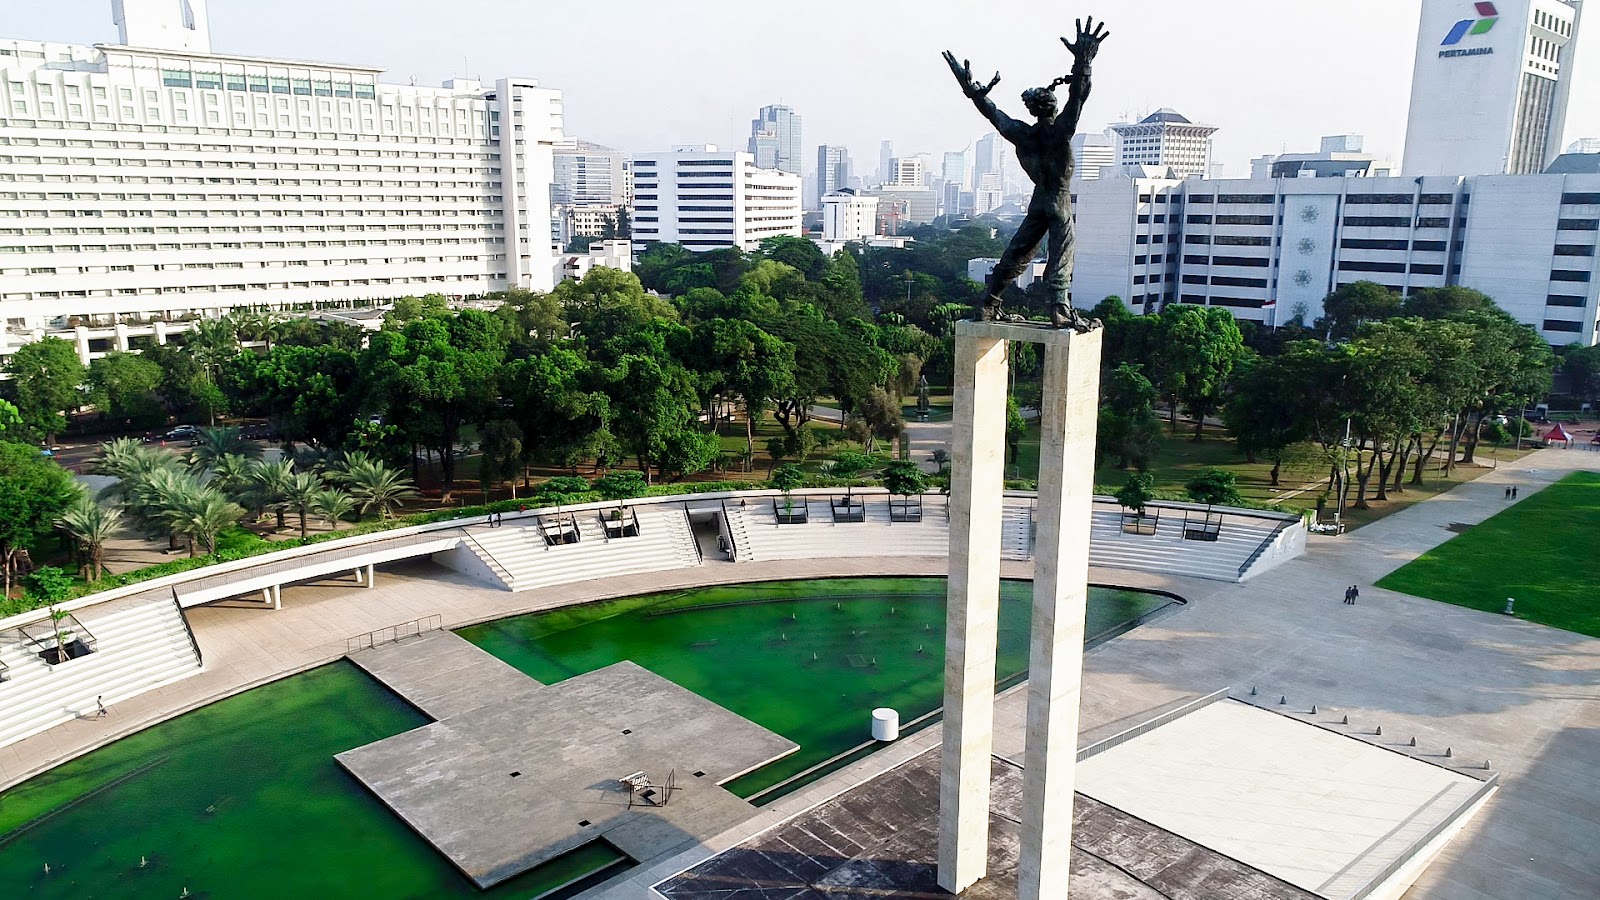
x,y
880,840
517,773
1321,810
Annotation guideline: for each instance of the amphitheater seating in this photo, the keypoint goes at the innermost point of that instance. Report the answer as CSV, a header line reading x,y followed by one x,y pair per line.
x,y
822,537
140,644
1168,552
665,542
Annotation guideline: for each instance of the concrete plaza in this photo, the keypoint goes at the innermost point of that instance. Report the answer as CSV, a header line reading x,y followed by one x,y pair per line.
x,y
1487,686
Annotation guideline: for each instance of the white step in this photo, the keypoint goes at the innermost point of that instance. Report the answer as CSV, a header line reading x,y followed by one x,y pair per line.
x,y
665,542
140,644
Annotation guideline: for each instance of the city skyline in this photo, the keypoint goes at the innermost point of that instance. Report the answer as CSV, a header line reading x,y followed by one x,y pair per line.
x,y
1283,95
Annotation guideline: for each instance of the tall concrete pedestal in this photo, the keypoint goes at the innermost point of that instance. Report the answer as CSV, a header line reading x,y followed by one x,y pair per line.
x,y
1068,418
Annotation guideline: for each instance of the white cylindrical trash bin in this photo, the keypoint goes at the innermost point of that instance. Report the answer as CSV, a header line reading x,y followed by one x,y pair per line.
x,y
885,724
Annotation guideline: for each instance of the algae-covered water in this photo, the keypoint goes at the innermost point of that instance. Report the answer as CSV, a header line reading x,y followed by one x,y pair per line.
x,y
809,660
243,799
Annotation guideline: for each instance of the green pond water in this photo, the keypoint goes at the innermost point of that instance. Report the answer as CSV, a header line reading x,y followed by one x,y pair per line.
x,y
242,799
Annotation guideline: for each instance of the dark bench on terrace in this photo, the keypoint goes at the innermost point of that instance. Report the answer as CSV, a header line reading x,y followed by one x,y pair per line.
x,y
620,523
905,509
1140,523
848,509
559,530
1207,527
790,510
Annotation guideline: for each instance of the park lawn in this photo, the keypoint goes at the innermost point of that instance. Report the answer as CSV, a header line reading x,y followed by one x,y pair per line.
x,y
1537,551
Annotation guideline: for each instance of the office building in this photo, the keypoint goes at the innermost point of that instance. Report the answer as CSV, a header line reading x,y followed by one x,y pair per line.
x,y
1165,139
705,199
156,179
909,173
1491,85
987,195
1341,156
1270,250
989,156
885,162
775,139
1091,153
848,216
587,174
833,171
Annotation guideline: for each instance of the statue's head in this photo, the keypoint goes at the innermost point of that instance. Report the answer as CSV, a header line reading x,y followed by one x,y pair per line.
x,y
1041,102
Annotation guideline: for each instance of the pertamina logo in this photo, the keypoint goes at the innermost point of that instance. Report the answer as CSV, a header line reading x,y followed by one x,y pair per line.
x,y
1487,17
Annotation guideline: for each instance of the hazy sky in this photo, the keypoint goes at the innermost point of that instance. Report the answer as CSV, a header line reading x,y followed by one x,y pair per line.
x,y
1274,75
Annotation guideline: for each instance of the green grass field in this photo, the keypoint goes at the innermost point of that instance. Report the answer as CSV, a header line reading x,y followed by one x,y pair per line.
x,y
1538,551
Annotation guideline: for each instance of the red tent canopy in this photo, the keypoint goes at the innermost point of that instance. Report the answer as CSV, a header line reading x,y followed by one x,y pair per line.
x,y
1558,434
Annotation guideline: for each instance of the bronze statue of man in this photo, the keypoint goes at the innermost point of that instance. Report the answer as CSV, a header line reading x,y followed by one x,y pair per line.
x,y
1044,149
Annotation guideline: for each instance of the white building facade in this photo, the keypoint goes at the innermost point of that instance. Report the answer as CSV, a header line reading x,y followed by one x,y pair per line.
x,y
1166,139
1491,86
164,182
1270,250
847,216
1093,152
588,174
705,199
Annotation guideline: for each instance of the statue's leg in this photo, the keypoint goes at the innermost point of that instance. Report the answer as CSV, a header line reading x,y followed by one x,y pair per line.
x,y
1016,258
1058,276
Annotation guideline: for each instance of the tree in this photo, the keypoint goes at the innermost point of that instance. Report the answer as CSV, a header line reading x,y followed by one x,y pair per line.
x,y
309,393
91,526
1446,302
332,505
216,443
607,303
1264,409
1137,492
45,378
1016,428
1215,487
1351,305
199,514
300,495
553,398
621,485
185,388
376,486
904,478
1581,364
788,478
536,320
52,585
501,443
739,358
34,492
1200,345
877,417
10,419
1129,430
268,488
123,387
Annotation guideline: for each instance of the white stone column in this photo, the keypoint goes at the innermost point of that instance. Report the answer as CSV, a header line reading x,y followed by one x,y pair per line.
x,y
372,572
972,630
1068,418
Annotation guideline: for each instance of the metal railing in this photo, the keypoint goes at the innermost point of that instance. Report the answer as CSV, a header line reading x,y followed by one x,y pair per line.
x,y
1171,715
699,557
1271,538
392,633
187,630
494,564
1404,859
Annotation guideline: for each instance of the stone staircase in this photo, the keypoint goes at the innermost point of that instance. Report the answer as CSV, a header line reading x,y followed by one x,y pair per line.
x,y
522,558
139,644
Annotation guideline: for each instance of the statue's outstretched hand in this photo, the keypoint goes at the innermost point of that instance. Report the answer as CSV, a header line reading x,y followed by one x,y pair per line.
x,y
963,72
1090,37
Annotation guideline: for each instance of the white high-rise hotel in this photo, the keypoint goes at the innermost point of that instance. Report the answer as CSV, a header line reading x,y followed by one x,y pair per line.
x,y
1491,86
706,199
155,178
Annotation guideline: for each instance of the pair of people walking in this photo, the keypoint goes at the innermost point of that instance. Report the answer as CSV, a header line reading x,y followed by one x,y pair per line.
x,y
1350,594
1511,493
495,520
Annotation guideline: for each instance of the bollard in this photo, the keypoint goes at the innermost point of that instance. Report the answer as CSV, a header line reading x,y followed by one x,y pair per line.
x,y
1283,700
1252,690
1345,721
1486,765
1413,741
1313,709
1448,752
1378,730
1511,604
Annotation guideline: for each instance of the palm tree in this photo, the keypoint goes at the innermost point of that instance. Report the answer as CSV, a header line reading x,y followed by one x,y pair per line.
x,y
144,476
199,514
332,505
300,495
215,443
268,487
376,486
230,474
339,472
91,525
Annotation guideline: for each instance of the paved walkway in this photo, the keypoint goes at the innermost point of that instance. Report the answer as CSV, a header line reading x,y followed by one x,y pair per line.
x,y
1485,685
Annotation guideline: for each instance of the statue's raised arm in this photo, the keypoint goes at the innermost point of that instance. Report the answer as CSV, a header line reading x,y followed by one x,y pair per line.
x,y
979,95
1083,50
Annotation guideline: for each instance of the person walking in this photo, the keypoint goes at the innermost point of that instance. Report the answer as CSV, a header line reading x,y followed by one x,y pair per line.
x,y
1508,493
100,707
1355,594
1513,492
1347,596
